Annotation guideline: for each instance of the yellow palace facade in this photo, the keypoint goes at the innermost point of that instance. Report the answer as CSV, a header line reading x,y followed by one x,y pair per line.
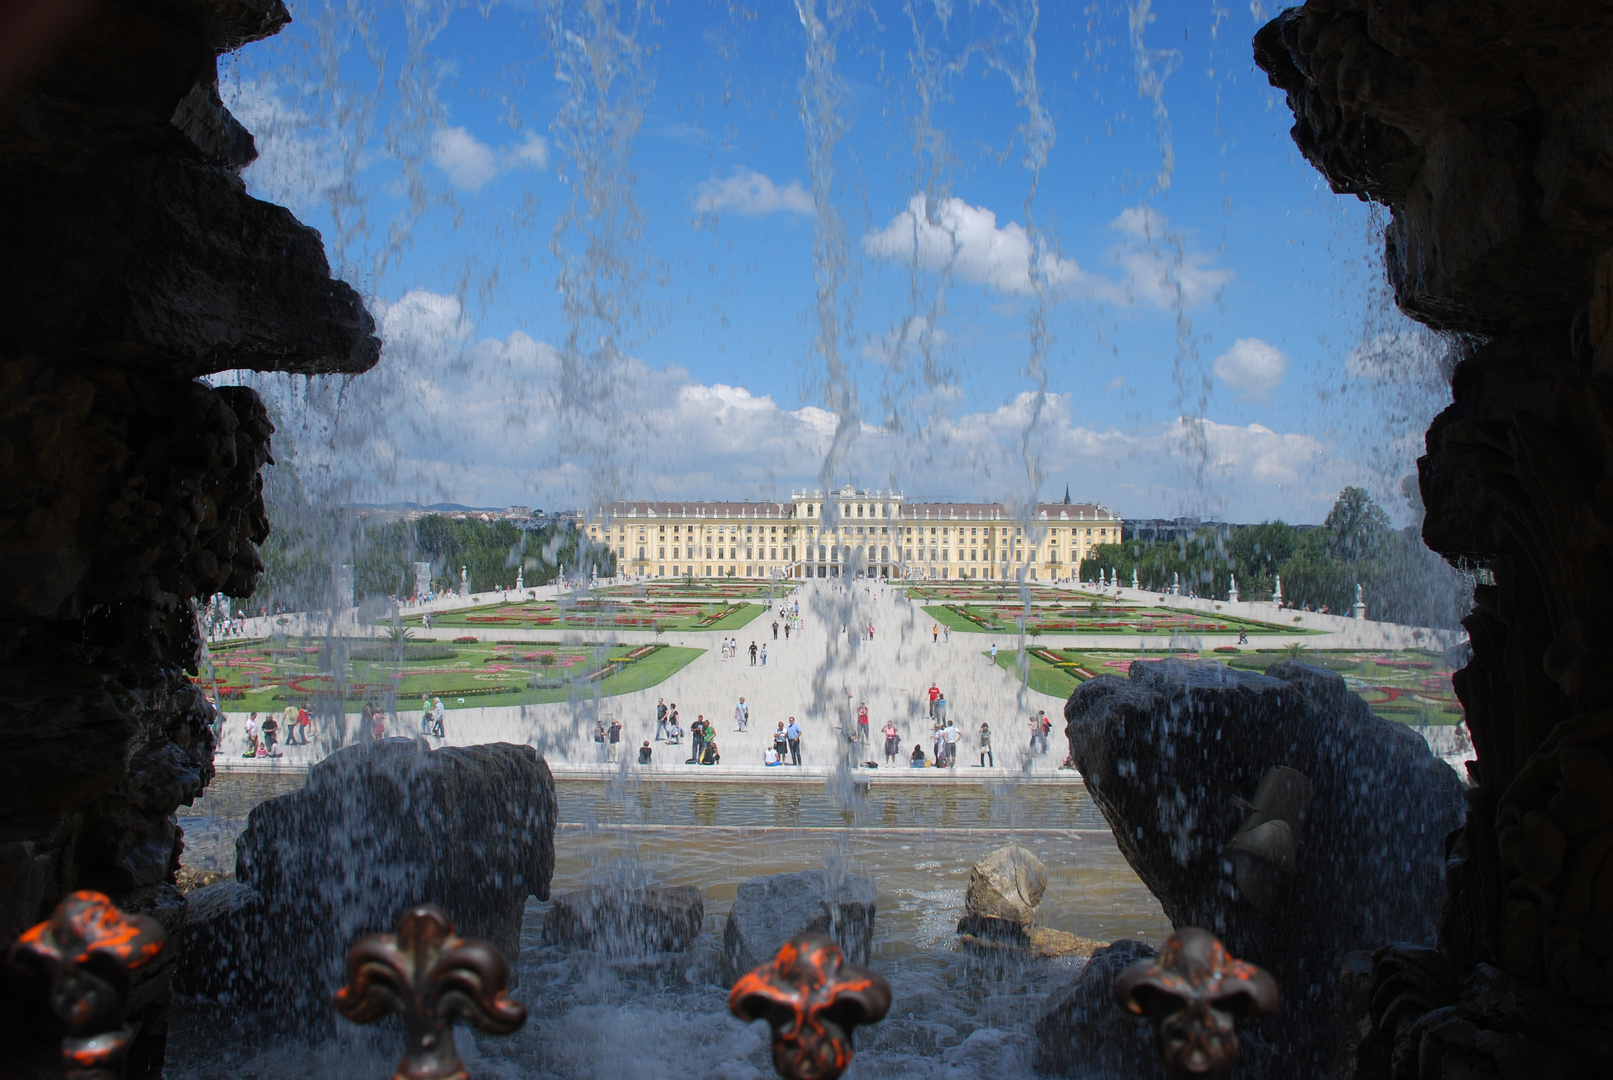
x,y
848,533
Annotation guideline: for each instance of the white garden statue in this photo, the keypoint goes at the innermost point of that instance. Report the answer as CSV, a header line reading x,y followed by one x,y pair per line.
x,y
1232,592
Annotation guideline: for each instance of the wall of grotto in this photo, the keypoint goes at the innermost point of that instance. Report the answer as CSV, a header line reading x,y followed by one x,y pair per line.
x,y
1487,130
134,262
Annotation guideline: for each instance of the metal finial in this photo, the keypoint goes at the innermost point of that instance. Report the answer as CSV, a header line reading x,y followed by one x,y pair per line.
x,y
432,978
1194,994
87,948
813,1000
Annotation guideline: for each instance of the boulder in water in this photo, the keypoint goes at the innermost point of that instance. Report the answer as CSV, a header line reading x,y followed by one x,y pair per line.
x,y
1082,1032
1276,811
1006,885
383,827
768,911
223,943
626,922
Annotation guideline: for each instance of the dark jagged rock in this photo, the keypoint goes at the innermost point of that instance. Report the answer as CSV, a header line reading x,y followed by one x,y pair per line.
x,y
154,256
1484,128
768,911
1169,753
134,261
1477,126
1082,1032
380,828
626,921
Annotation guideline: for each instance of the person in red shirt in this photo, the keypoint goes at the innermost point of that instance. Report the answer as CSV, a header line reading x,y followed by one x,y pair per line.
x,y
862,722
935,693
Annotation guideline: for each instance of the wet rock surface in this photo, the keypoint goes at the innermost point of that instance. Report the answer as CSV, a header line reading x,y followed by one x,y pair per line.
x,y
383,827
1478,130
1082,1032
768,911
626,921
1008,885
1168,755
223,944
1484,130
135,261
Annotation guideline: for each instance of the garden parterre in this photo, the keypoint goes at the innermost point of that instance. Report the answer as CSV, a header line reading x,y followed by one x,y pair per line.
x,y
270,675
596,613
1412,687
1094,617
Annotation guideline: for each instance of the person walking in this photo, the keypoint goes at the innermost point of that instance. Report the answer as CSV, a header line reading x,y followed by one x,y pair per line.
x,y
941,707
425,714
946,634
672,733
985,746
793,735
599,740
786,631
660,718
893,744
938,743
862,723
993,652
439,713
1047,728
935,632
775,629
935,695
615,736
304,722
764,654
1036,733
742,715
753,653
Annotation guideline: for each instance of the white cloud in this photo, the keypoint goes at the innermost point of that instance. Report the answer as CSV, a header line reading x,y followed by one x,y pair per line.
x,y
489,422
965,240
470,163
1156,267
752,194
1251,367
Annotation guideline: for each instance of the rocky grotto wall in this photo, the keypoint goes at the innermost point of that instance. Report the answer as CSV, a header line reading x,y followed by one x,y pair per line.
x,y
134,261
1487,129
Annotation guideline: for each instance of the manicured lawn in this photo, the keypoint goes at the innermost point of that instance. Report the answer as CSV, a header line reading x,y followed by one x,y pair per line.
x,y
703,590
1042,677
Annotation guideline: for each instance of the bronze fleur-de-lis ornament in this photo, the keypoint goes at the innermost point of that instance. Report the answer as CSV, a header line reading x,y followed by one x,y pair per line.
x,y
813,999
87,949
432,978
1194,994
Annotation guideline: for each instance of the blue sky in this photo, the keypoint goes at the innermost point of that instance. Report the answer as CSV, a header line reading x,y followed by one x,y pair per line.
x,y
1178,257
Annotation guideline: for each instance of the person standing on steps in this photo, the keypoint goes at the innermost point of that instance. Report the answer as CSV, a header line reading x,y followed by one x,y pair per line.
x,y
985,746
935,695
893,745
697,737
753,654
742,715
660,718
615,740
599,740
952,736
781,743
775,629
793,735
862,723
764,654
